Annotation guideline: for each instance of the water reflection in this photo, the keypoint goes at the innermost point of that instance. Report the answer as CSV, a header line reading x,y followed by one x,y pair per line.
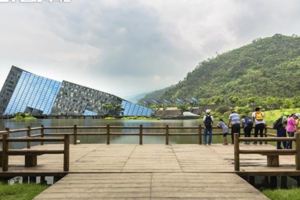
x,y
114,139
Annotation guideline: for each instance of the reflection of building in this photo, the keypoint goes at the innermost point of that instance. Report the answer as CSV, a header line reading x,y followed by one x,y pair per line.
x,y
27,92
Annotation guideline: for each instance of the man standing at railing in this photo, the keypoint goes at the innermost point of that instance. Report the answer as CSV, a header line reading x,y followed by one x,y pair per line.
x,y
260,123
208,121
280,125
235,122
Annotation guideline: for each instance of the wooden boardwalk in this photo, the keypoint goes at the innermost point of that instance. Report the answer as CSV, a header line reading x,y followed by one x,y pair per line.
x,y
152,171
97,158
152,186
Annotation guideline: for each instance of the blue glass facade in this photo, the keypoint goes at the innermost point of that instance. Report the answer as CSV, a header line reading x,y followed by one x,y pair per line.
x,y
24,92
131,109
35,92
89,113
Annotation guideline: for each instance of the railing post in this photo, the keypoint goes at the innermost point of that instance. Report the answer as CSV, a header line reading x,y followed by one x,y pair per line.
x,y
141,134
297,151
5,151
108,134
42,133
236,152
75,134
167,134
8,132
66,153
266,133
28,135
200,134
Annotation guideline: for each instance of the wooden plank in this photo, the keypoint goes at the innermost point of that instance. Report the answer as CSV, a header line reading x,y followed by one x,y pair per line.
x,y
267,139
269,152
151,186
36,139
153,158
33,152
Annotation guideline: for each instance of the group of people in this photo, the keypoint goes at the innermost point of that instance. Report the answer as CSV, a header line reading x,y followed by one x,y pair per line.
x,y
285,126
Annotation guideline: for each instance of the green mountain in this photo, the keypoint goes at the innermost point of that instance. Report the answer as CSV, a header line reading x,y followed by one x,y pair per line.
x,y
267,71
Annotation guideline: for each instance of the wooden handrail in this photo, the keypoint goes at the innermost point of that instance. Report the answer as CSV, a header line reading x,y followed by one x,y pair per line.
x,y
140,131
269,151
265,139
272,152
43,128
35,139
6,151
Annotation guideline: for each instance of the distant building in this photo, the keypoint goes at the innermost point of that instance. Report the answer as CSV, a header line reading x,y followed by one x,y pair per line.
x,y
26,92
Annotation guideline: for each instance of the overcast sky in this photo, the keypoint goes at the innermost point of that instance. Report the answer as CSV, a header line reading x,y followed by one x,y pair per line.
x,y
127,47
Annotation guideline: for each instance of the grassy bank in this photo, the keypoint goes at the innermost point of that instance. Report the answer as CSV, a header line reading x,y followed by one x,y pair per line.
x,y
281,194
20,191
273,115
23,117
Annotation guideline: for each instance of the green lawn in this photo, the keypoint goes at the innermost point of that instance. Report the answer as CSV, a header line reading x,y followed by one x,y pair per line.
x,y
20,191
280,194
273,115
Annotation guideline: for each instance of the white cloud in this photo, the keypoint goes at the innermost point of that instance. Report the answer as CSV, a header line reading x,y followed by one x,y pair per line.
x,y
132,46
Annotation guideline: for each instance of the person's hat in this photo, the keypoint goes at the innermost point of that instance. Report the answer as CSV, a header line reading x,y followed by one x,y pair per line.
x,y
207,111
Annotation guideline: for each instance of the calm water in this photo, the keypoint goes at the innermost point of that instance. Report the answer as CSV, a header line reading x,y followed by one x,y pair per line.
x,y
114,139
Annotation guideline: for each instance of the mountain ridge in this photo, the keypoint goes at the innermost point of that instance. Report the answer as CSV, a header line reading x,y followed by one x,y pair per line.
x,y
266,68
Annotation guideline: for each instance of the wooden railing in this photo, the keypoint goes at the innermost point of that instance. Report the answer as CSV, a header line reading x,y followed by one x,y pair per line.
x,y
108,131
272,155
42,135
31,155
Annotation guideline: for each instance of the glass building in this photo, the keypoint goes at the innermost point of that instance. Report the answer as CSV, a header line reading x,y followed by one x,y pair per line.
x,y
131,109
33,92
26,92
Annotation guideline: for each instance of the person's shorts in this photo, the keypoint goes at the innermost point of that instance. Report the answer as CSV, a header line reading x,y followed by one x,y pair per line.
x,y
225,134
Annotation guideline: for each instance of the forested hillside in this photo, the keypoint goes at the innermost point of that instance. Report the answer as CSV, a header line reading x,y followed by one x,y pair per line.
x,y
265,72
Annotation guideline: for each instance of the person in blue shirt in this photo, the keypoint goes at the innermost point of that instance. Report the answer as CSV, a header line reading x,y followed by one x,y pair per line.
x,y
247,125
224,128
235,123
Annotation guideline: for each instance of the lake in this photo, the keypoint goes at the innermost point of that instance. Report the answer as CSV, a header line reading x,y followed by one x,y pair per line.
x,y
114,139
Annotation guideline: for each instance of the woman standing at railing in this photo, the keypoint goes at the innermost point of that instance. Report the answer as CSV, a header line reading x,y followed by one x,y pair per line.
x,y
291,128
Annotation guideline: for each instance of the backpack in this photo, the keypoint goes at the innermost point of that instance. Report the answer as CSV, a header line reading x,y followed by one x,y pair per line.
x,y
259,116
208,122
278,123
248,122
